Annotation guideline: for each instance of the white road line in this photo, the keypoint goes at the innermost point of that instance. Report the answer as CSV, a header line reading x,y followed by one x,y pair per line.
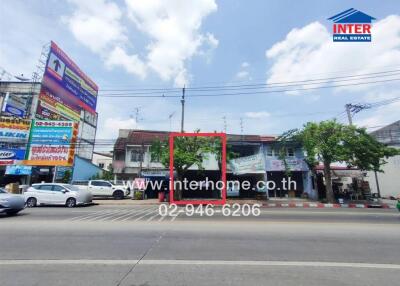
x,y
161,218
137,214
106,215
146,214
126,214
151,218
120,215
174,217
272,263
317,264
94,214
84,215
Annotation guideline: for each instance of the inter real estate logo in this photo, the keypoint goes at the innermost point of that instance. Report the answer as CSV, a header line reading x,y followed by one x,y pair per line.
x,y
352,26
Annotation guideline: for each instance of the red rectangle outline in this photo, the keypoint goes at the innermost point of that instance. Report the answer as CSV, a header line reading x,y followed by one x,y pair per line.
x,y
171,169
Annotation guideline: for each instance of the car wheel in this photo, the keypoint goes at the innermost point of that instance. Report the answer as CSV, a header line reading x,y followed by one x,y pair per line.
x,y
31,202
71,202
118,195
10,213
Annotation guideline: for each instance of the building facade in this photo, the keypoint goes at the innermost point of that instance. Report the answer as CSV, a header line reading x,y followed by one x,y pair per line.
x,y
255,159
388,181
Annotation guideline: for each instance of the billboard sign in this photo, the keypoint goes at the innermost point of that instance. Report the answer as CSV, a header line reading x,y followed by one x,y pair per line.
x,y
65,88
52,143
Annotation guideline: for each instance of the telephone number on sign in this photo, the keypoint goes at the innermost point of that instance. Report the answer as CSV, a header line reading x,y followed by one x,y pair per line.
x,y
210,210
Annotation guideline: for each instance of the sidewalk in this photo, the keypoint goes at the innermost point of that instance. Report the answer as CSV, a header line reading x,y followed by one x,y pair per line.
x,y
271,203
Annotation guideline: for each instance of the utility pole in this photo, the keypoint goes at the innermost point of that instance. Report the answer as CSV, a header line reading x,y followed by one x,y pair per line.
x,y
170,120
183,109
241,127
357,108
137,112
348,111
225,125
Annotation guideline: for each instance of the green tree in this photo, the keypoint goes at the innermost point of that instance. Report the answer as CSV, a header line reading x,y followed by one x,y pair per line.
x,y
66,177
329,141
188,151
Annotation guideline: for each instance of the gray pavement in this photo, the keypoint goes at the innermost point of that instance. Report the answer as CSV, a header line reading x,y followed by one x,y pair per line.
x,y
119,245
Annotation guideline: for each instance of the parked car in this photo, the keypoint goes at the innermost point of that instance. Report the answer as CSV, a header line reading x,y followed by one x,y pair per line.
x,y
11,204
101,188
56,194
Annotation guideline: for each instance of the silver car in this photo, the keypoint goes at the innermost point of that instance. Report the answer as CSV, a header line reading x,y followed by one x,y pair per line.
x,y
11,204
56,194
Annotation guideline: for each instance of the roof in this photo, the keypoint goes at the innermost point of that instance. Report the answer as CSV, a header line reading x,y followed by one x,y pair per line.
x,y
139,137
352,16
146,137
389,134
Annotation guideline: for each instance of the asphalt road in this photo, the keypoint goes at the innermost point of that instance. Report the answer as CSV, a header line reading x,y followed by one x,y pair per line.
x,y
123,245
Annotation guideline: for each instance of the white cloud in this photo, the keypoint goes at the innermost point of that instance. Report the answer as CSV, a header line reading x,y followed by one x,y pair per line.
x,y
258,114
245,65
309,53
113,124
171,27
97,25
310,50
131,63
174,31
244,73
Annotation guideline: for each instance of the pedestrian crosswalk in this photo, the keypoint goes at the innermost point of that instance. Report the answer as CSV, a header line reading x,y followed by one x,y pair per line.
x,y
137,214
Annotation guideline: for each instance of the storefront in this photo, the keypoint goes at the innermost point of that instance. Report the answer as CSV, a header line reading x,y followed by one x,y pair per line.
x,y
289,178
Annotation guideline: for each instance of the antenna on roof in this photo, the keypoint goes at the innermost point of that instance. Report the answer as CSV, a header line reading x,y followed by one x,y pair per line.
x,y
170,120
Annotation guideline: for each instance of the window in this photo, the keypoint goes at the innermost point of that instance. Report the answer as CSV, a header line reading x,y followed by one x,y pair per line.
x,y
45,187
58,188
101,165
101,184
155,159
80,183
271,152
290,152
135,156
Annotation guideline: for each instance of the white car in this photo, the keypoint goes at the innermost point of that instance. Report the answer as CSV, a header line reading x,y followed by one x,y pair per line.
x,y
102,188
56,194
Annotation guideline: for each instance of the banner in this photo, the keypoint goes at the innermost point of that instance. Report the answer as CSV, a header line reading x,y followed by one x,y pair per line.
x,y
14,134
14,130
52,143
247,165
293,165
18,170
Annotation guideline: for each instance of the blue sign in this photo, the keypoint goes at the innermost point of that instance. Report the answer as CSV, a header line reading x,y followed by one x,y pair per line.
x,y
14,110
12,154
352,26
18,170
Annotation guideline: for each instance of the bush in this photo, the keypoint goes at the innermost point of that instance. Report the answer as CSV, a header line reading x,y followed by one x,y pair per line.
x,y
138,195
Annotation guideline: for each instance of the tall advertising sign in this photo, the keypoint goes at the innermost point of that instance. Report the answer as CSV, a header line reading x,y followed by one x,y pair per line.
x,y
14,134
52,143
66,91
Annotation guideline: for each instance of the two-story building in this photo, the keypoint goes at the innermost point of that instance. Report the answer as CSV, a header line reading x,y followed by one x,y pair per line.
x,y
255,159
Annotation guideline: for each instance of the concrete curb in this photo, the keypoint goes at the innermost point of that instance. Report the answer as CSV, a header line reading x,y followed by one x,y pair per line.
x,y
321,205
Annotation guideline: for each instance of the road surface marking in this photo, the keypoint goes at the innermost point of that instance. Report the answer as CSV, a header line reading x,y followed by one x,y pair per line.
x,y
317,264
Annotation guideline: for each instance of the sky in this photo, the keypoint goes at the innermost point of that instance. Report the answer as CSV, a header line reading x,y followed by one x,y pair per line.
x,y
135,45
